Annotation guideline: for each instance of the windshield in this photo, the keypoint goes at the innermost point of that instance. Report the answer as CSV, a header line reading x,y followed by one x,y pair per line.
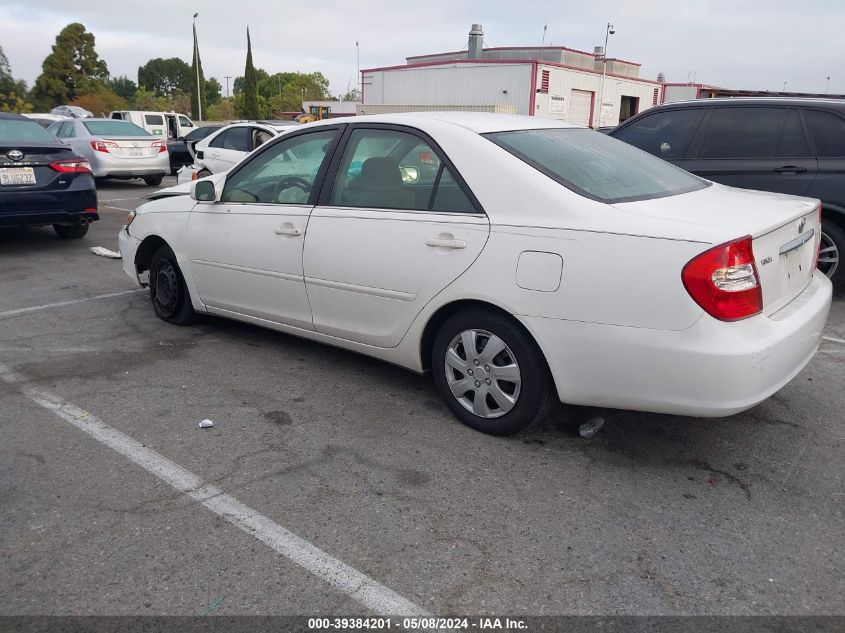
x,y
114,128
597,166
17,131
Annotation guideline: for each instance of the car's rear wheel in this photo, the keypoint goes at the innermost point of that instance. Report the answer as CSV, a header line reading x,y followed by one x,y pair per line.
x,y
491,373
168,292
153,181
830,252
70,231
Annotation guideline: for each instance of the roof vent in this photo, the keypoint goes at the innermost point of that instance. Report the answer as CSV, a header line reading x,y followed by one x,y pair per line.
x,y
476,41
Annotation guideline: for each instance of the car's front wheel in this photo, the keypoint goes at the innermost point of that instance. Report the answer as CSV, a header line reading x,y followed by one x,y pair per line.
x,y
168,292
70,231
830,252
491,373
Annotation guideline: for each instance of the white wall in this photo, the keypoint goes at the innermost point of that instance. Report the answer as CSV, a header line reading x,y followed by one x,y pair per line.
x,y
455,84
681,93
563,80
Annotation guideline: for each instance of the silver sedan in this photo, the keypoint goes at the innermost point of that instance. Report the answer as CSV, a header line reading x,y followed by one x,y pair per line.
x,y
116,149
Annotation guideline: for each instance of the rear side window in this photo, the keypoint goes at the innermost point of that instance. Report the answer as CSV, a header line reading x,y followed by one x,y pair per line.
x,y
828,132
153,119
752,133
114,128
597,166
23,131
236,138
666,134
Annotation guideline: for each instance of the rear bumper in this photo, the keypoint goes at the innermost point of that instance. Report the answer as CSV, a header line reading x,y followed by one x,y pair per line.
x,y
712,369
47,217
113,167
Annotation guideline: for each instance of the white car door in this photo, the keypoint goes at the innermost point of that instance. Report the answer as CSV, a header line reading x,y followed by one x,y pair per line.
x,y
226,148
246,250
396,227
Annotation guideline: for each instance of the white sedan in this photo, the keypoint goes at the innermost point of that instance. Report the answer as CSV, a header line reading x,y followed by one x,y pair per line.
x,y
522,261
222,149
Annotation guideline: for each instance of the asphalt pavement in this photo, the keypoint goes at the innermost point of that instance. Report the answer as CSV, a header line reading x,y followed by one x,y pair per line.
x,y
332,483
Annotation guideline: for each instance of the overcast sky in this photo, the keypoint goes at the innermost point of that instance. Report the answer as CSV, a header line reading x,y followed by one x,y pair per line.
x,y
754,44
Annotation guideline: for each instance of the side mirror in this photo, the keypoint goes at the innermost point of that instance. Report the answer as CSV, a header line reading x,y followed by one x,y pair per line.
x,y
203,191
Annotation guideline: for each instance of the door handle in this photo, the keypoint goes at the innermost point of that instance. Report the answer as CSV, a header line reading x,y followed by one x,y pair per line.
x,y
445,243
791,169
288,229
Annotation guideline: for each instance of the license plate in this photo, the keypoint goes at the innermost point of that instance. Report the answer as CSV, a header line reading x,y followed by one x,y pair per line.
x,y
135,151
17,176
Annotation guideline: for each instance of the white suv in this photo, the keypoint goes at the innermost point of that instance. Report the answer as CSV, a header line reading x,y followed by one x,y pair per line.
x,y
218,152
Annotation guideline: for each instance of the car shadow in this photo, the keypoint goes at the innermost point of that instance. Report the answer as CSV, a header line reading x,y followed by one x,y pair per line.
x,y
25,238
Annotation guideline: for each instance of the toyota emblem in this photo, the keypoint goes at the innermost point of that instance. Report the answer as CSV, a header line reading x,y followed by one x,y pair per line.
x,y
15,154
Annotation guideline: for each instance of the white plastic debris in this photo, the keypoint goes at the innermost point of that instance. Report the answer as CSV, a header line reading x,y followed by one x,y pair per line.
x,y
104,252
591,426
206,424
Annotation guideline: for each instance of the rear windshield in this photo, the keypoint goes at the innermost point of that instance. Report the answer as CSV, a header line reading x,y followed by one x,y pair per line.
x,y
597,166
16,131
114,128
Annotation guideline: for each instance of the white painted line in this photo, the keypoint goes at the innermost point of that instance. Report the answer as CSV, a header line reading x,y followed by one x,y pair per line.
x,y
47,306
108,206
350,581
833,339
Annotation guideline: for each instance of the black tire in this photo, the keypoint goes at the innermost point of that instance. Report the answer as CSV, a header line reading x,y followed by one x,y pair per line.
x,y
153,181
168,292
70,231
536,394
202,173
833,236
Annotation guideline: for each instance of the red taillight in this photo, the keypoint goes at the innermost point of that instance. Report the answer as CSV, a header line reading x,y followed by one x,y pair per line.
x,y
724,281
76,166
160,145
103,146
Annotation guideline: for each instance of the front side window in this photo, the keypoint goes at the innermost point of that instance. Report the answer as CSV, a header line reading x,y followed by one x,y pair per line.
x,y
828,132
282,174
389,169
597,166
748,132
114,128
185,122
665,134
235,138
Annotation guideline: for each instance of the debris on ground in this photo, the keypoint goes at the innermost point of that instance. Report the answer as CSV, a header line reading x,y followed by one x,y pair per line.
x,y
591,426
206,424
104,252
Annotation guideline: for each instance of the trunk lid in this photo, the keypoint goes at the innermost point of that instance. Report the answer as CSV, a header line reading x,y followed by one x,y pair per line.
x,y
785,231
134,147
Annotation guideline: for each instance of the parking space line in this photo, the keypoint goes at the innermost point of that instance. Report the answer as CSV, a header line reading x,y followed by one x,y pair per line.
x,y
833,339
47,306
108,206
355,584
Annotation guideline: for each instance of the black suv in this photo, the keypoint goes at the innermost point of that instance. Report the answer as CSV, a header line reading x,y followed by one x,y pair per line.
x,y
794,146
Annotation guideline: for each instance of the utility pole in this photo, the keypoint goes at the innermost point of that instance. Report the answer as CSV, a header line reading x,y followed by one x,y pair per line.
x,y
610,31
227,78
358,64
826,85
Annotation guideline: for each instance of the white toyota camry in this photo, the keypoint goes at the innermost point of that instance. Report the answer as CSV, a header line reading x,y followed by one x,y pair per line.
x,y
522,261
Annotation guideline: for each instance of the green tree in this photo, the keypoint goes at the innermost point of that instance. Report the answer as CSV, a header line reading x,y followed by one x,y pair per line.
x,y
123,87
350,95
101,101
198,101
213,91
166,76
238,85
12,92
250,84
72,69
222,111
148,100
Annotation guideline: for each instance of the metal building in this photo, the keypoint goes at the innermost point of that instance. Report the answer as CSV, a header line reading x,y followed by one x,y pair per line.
x,y
552,82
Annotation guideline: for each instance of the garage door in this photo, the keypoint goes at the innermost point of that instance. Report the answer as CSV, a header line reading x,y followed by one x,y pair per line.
x,y
579,107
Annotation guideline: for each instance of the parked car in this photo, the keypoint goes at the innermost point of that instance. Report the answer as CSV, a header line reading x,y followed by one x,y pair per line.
x,y
167,125
181,150
541,262
221,150
794,146
42,119
73,112
116,149
42,181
